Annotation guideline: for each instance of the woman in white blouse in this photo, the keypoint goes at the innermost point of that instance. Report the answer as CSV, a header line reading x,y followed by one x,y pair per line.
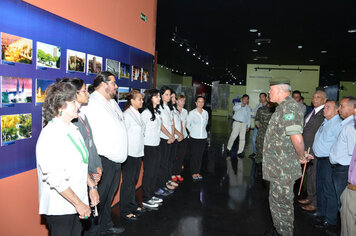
x,y
178,134
182,145
196,124
164,183
129,208
151,160
62,163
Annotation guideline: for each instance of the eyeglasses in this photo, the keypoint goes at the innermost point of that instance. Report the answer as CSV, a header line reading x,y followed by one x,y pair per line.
x,y
83,90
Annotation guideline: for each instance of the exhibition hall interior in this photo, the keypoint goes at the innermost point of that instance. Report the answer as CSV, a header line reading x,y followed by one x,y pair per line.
x,y
215,50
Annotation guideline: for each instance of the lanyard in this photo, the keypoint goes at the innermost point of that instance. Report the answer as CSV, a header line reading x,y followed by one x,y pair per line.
x,y
84,157
138,120
85,125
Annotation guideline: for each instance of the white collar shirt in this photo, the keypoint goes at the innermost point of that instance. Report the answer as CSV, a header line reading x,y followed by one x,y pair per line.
x,y
310,114
196,124
242,113
177,121
152,128
167,119
60,166
135,128
107,124
184,116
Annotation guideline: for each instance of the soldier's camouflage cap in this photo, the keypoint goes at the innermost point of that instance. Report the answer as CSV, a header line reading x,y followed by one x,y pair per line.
x,y
279,80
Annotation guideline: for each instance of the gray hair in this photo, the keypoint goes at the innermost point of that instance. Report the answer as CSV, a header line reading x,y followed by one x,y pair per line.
x,y
285,87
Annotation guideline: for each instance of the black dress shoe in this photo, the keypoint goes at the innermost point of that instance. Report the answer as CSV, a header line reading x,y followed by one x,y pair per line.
x,y
241,155
325,225
113,230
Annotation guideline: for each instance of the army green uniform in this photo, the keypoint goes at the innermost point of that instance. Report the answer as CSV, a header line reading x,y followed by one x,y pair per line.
x,y
263,115
281,164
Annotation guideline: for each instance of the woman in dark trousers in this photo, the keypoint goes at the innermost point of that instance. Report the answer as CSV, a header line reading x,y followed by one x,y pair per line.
x,y
196,124
178,134
151,160
164,183
182,145
129,208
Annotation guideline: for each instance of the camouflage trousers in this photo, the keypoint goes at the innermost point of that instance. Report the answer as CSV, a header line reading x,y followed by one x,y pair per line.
x,y
281,206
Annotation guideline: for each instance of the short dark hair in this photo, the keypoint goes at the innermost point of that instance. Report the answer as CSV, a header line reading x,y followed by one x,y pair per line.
x,y
245,95
297,92
57,95
200,96
101,77
76,82
351,100
262,94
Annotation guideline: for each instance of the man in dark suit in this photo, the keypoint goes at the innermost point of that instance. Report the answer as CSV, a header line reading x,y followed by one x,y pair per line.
x,y
312,122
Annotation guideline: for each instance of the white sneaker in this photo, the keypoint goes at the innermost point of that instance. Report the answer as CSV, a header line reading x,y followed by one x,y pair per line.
x,y
150,204
156,199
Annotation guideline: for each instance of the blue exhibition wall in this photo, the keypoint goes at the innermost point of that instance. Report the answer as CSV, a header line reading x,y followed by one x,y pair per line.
x,y
24,20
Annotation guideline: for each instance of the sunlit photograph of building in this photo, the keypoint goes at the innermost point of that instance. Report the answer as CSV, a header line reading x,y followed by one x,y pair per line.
x,y
41,89
16,49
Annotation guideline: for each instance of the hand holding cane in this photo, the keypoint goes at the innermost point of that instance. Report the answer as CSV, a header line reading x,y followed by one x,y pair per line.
x,y
301,182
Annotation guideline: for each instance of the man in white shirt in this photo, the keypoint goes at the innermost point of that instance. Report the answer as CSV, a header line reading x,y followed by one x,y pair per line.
x,y
110,137
240,125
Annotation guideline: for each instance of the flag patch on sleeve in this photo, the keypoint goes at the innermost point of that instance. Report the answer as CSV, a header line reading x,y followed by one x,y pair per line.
x,y
289,116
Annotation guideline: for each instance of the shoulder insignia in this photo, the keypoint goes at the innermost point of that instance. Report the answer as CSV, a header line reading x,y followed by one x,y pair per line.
x,y
289,116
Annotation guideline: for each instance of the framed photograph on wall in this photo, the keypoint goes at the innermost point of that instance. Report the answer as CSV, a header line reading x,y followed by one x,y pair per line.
x,y
136,73
113,67
41,89
15,49
48,56
15,127
122,93
94,64
125,71
15,90
145,76
75,61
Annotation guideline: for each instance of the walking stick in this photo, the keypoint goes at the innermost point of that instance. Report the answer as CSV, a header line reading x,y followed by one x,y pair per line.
x,y
301,182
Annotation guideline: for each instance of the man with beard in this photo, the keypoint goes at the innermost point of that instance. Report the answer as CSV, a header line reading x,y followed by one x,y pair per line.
x,y
110,137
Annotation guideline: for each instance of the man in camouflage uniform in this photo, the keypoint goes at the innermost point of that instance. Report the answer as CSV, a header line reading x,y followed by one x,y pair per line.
x,y
283,152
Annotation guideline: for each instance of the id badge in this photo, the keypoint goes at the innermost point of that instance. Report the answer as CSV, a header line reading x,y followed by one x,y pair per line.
x,y
90,143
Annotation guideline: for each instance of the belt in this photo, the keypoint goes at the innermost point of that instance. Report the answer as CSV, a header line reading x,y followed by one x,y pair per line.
x,y
351,187
335,165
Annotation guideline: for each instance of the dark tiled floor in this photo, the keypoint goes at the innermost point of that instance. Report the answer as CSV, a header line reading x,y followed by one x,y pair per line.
x,y
224,203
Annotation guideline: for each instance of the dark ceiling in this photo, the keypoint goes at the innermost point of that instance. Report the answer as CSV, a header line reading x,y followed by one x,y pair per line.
x,y
220,32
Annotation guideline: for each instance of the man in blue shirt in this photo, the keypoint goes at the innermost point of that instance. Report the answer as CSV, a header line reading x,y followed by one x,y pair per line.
x,y
240,125
341,150
324,138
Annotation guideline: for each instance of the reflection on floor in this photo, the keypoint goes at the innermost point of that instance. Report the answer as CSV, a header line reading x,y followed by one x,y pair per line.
x,y
224,203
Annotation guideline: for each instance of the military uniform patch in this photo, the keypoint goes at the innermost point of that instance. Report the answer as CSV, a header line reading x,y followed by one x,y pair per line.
x,y
289,116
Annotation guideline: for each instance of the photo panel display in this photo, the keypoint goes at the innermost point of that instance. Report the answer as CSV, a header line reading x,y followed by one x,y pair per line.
x,y
15,90
15,127
122,93
48,56
145,76
136,73
125,71
15,49
94,64
41,89
113,67
75,61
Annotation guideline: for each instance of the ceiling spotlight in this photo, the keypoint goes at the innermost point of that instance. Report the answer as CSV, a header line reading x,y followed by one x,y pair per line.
x,y
255,69
258,43
255,59
253,30
259,34
181,44
184,73
207,63
226,83
331,74
300,46
311,60
172,70
254,50
240,82
351,31
166,68
300,71
324,51
188,49
199,58
161,66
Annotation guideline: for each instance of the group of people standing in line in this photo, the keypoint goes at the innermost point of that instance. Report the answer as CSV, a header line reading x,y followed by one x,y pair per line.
x,y
322,137
87,143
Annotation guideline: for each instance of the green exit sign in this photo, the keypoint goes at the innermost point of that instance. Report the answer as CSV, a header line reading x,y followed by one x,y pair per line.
x,y
143,17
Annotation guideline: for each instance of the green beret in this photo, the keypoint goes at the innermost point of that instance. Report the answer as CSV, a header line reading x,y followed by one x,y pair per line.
x,y
279,80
